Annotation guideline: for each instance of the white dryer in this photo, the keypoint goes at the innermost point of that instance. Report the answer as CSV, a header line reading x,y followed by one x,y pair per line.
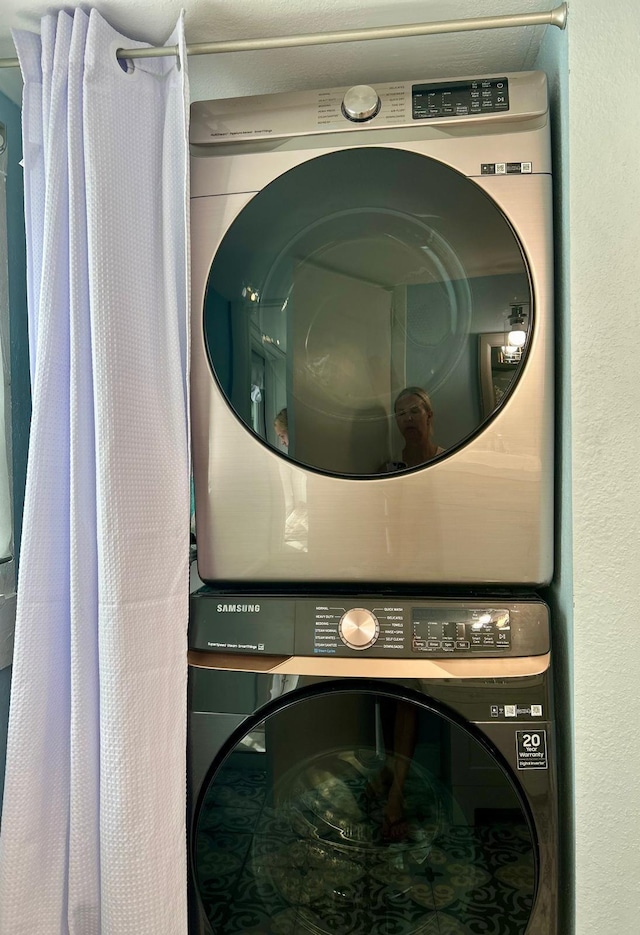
x,y
372,376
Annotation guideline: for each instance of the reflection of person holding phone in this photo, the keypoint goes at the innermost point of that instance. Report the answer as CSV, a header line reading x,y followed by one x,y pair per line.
x,y
294,488
414,418
281,426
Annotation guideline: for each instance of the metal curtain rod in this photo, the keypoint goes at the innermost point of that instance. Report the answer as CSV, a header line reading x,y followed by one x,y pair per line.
x,y
556,17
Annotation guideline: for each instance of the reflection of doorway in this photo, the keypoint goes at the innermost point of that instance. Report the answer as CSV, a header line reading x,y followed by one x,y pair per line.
x,y
268,389
341,382
257,394
477,782
497,369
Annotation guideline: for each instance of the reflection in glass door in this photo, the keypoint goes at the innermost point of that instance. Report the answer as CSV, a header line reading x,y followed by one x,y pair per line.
x,y
6,520
354,814
355,275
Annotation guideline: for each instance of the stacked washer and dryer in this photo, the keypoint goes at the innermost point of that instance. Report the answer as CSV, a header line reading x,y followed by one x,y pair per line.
x,y
371,725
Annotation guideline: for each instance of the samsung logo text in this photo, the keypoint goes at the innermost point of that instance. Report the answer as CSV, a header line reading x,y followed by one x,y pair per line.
x,y
238,608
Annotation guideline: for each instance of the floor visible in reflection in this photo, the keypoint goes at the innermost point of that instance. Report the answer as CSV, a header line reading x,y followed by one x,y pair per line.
x,y
265,870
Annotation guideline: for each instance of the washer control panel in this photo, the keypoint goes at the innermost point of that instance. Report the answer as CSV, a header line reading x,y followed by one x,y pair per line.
x,y
407,629
380,626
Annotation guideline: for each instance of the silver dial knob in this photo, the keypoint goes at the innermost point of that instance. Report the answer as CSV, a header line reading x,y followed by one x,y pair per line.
x,y
358,628
360,103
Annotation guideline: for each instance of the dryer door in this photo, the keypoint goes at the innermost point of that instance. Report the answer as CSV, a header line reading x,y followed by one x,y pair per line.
x,y
356,277
351,811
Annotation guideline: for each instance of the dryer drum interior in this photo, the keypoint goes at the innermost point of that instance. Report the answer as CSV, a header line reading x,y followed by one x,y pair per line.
x,y
354,811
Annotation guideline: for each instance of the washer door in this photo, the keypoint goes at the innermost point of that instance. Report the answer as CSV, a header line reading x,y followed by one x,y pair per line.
x,y
351,278
360,812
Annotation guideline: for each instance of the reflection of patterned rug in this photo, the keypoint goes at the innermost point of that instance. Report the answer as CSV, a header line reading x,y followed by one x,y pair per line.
x,y
265,870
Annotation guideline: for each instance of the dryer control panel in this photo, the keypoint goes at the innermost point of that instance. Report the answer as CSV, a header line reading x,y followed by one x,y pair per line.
x,y
518,96
366,625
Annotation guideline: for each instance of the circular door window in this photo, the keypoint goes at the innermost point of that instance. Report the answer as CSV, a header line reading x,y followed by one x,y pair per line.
x,y
357,813
368,312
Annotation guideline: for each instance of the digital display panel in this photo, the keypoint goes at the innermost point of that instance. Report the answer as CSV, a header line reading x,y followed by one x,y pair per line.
x,y
459,98
436,630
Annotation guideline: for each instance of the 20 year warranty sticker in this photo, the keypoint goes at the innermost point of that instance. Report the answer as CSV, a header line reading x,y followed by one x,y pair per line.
x,y
531,749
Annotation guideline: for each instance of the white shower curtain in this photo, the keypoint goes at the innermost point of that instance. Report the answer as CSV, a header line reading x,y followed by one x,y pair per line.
x,y
93,826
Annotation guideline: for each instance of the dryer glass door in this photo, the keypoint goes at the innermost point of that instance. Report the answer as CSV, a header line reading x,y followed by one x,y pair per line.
x,y
368,311
350,812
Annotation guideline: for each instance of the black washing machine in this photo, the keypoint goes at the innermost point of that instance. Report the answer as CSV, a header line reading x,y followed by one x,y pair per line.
x,y
371,765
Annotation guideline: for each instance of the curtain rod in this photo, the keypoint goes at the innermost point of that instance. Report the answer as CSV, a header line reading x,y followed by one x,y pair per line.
x,y
556,17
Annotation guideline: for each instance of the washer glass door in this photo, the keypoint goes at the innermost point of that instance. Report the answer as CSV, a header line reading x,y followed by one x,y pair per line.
x,y
351,812
368,312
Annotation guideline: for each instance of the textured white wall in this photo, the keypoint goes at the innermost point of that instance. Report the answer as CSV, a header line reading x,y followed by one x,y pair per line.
x,y
604,239
310,67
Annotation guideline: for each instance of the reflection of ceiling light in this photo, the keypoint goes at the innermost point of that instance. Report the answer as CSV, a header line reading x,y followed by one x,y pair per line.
x,y
516,336
511,355
252,294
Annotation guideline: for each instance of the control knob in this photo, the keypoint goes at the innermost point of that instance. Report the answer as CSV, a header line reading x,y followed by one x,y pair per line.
x,y
358,628
360,103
